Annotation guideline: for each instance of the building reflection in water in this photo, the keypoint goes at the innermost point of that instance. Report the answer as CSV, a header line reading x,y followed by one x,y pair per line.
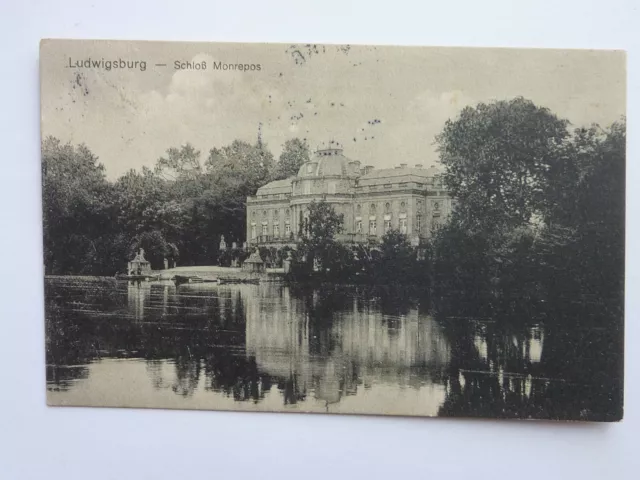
x,y
153,300
345,348
247,339
138,294
243,340
333,355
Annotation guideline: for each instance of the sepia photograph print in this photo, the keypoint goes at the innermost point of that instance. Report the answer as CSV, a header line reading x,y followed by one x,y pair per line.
x,y
420,231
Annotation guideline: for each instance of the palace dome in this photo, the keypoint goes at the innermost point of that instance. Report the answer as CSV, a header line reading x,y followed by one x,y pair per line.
x,y
329,162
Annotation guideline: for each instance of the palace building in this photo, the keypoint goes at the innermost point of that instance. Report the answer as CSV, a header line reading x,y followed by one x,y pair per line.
x,y
412,200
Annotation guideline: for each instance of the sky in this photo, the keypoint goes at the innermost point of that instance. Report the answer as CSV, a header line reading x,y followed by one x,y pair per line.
x,y
383,104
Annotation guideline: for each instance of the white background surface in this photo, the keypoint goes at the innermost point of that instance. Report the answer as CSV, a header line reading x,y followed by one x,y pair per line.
x,y
57,443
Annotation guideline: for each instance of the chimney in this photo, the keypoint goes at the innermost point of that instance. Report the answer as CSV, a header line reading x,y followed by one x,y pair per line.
x,y
403,165
418,165
367,169
354,166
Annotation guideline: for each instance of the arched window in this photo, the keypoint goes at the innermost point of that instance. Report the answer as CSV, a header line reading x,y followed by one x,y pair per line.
x,y
358,209
372,208
387,207
403,207
403,225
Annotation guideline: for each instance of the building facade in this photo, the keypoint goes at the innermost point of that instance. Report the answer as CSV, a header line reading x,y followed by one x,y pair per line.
x,y
412,200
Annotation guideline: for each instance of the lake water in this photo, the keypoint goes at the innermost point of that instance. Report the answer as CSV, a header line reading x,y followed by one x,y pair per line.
x,y
340,350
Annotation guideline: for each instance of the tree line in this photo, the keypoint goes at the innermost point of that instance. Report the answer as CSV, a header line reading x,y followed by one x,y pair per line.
x,y
540,212
178,210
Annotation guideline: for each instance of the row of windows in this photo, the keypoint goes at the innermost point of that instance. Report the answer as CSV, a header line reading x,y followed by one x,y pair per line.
x,y
403,207
387,208
402,225
372,209
275,213
373,226
430,182
275,231
280,196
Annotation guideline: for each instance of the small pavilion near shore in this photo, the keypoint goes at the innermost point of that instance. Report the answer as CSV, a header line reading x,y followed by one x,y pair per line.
x,y
139,265
254,263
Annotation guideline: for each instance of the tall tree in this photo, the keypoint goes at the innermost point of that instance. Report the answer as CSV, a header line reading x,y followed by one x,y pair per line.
x,y
235,172
398,258
318,242
77,207
294,154
590,222
498,159
179,163
240,165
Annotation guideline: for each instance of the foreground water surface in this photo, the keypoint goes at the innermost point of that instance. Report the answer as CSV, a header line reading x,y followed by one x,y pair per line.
x,y
340,350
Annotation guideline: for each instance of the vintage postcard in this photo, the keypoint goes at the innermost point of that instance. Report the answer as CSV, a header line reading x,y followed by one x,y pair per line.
x,y
334,228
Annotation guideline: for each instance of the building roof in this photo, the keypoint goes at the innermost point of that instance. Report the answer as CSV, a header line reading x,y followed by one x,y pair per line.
x,y
137,260
254,258
329,162
275,187
388,175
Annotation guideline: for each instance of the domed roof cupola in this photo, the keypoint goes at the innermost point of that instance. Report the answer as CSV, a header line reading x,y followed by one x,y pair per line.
x,y
328,162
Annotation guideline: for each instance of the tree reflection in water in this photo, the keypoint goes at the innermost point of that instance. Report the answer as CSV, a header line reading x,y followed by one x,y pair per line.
x,y
568,365
247,341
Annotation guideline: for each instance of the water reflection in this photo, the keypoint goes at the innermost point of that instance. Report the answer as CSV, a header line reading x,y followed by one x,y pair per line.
x,y
269,347
138,294
334,355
